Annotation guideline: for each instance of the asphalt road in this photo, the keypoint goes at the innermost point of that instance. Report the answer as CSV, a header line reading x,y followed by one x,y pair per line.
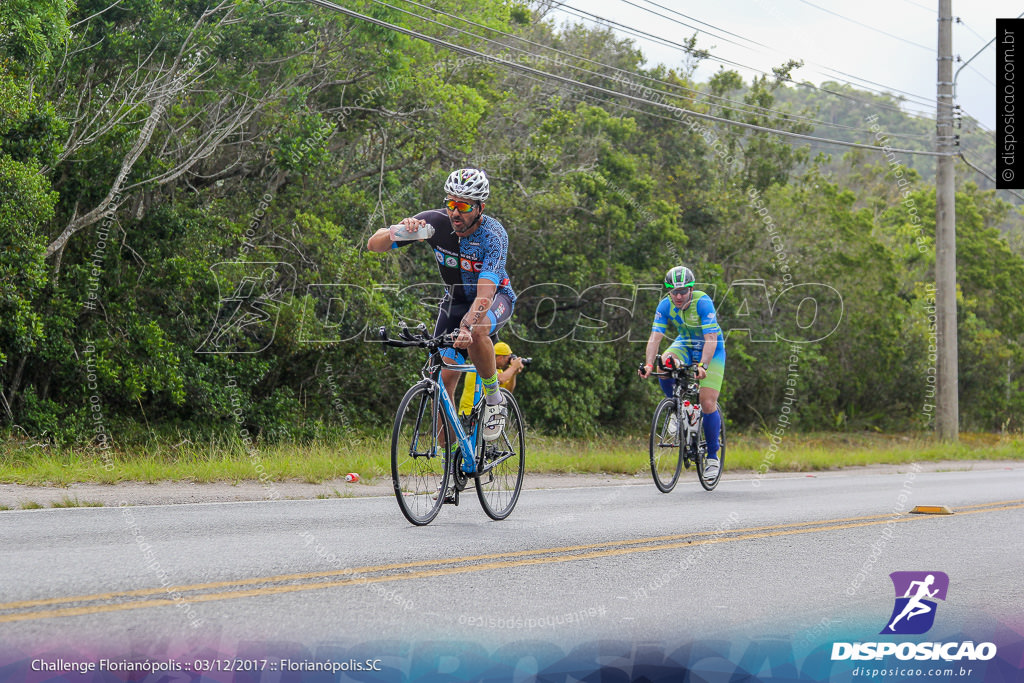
x,y
801,558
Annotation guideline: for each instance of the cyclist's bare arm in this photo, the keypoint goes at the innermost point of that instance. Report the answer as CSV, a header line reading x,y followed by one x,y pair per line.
x,y
710,344
653,344
379,241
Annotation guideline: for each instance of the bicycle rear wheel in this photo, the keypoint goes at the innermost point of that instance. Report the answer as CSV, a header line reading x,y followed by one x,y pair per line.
x,y
666,447
709,483
499,487
419,468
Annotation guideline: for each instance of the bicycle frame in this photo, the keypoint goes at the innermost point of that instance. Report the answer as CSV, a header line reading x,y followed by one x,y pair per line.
x,y
467,442
688,388
431,375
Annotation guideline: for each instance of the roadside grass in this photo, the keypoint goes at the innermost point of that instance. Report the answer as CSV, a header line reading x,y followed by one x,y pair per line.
x,y
369,456
793,453
68,502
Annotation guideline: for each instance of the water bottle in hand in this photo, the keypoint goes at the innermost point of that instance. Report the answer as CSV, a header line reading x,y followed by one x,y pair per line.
x,y
400,233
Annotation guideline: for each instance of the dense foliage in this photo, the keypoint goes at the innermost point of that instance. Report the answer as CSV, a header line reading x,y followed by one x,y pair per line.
x,y
186,189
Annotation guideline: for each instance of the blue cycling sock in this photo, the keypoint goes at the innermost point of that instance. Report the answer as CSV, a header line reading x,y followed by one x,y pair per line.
x,y
668,385
712,425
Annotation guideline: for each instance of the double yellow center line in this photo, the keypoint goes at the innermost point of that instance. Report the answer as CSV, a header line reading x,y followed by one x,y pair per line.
x,y
27,610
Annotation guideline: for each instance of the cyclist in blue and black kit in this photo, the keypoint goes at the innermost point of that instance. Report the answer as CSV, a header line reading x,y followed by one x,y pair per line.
x,y
470,249
699,342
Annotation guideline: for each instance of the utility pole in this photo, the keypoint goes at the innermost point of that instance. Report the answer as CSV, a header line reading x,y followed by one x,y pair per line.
x,y
947,414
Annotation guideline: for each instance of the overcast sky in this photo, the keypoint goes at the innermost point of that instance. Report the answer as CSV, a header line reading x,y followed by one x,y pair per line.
x,y
796,29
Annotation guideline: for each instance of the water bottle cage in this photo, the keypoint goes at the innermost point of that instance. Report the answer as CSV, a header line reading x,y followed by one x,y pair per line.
x,y
692,414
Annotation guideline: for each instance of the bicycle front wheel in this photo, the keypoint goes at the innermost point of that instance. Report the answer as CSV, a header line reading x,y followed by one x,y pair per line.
x,y
505,460
419,468
666,447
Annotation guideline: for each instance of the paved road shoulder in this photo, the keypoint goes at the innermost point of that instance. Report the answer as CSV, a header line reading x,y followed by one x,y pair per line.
x,y
15,496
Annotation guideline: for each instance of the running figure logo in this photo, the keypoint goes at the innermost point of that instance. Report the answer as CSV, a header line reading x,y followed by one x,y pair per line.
x,y
914,612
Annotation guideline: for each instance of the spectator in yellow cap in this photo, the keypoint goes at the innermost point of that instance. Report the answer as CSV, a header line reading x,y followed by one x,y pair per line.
x,y
508,367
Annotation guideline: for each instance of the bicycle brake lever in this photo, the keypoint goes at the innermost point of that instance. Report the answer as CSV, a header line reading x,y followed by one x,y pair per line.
x,y
382,332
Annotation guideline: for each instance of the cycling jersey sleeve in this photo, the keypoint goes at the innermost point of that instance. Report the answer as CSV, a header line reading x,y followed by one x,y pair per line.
x,y
661,316
708,317
495,253
437,219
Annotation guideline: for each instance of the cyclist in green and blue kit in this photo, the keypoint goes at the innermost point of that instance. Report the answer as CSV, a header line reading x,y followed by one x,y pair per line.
x,y
699,341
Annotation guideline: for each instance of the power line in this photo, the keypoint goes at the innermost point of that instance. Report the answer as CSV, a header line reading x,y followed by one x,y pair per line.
x,y
326,4
961,155
980,37
867,26
645,9
743,107
881,85
668,43
978,124
956,74
911,2
818,144
925,100
576,12
968,162
685,16
983,76
974,56
964,24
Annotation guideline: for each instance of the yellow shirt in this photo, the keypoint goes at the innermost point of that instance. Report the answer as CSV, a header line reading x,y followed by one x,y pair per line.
x,y
469,392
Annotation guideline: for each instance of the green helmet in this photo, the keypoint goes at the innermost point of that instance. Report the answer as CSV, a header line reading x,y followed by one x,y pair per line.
x,y
680,276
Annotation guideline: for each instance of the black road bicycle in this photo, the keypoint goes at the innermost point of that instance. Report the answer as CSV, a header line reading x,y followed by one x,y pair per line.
x,y
671,449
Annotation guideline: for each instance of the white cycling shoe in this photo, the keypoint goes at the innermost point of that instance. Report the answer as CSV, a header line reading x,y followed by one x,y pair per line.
x,y
673,426
494,420
711,467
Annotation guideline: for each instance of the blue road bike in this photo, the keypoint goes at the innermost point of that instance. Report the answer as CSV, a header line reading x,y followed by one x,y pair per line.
x,y
424,473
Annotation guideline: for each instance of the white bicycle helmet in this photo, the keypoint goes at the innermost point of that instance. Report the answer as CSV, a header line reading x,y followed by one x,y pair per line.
x,y
468,183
